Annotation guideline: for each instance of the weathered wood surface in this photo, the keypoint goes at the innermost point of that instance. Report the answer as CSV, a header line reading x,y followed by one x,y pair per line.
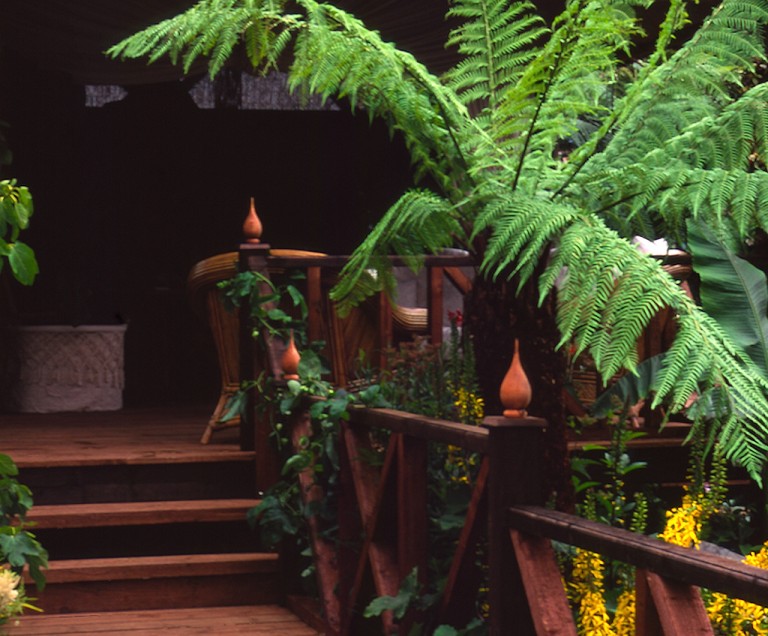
x,y
263,620
168,435
168,581
669,607
471,438
323,549
139,513
166,566
543,585
670,561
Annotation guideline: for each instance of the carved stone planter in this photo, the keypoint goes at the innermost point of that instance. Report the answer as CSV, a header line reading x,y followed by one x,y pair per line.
x,y
60,368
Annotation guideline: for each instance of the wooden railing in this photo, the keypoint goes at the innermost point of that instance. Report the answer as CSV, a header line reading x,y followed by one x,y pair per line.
x,y
383,528
382,523
370,328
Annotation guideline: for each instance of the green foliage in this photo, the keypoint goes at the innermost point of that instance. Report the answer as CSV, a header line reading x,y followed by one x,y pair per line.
x,y
411,596
15,210
18,547
263,299
654,143
733,291
398,605
605,498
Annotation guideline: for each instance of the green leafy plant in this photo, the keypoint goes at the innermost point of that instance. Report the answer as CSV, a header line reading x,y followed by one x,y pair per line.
x,y
411,596
264,298
19,549
15,211
675,136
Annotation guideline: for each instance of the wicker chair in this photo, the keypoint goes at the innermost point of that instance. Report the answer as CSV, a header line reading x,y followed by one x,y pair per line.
x,y
205,296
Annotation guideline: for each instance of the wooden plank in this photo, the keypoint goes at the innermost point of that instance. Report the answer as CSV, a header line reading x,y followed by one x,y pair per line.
x,y
543,584
323,550
260,620
435,304
78,570
369,484
686,565
140,513
460,280
457,608
679,606
514,477
314,304
469,437
338,261
143,436
412,502
646,617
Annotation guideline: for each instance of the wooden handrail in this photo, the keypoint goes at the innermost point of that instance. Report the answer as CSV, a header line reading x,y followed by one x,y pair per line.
x,y
720,574
338,261
471,438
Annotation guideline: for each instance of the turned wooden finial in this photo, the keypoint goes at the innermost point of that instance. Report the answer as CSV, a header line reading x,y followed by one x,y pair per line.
x,y
290,360
515,391
252,226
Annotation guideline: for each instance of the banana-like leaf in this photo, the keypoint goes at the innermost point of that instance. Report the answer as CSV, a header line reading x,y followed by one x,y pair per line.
x,y
630,389
733,291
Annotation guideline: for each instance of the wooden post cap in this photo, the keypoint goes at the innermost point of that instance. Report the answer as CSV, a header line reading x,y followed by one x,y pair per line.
x,y
290,360
252,227
515,390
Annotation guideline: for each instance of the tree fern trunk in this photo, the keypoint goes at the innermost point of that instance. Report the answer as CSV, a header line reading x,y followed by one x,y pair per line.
x,y
494,317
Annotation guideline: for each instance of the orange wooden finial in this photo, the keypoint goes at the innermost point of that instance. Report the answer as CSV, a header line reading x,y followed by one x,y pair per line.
x,y
290,360
515,391
252,226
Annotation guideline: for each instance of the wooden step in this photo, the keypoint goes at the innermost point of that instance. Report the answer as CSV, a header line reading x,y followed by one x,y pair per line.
x,y
262,620
140,513
160,582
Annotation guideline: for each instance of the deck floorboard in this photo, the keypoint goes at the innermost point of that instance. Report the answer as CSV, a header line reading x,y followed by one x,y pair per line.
x,y
163,435
259,620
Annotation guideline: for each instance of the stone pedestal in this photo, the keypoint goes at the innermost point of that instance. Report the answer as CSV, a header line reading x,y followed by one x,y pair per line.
x,y
60,368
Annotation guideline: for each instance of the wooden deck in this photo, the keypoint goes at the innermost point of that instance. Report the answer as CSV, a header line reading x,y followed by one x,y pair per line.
x,y
56,452
163,435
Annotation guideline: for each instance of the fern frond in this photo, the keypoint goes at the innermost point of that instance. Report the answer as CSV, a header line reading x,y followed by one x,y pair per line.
x,y
605,307
497,40
336,55
520,226
212,29
420,222
564,83
703,73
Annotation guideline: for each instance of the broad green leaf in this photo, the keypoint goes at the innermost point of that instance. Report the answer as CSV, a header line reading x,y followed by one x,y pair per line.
x,y
23,263
398,604
733,291
7,466
630,389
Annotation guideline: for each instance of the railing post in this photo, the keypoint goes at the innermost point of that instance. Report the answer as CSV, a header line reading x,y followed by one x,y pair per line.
x,y
255,429
514,477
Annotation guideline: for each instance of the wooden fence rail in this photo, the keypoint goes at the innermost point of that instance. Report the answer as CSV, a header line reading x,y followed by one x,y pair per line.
x,y
386,506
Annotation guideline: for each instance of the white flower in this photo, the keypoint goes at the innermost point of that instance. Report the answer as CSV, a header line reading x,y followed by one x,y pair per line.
x,y
9,583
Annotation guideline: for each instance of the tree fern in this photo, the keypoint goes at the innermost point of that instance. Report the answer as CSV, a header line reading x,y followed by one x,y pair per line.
x,y
673,137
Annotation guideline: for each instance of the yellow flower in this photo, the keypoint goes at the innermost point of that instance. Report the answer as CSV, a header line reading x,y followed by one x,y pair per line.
x,y
470,407
742,616
624,618
593,618
586,591
684,523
